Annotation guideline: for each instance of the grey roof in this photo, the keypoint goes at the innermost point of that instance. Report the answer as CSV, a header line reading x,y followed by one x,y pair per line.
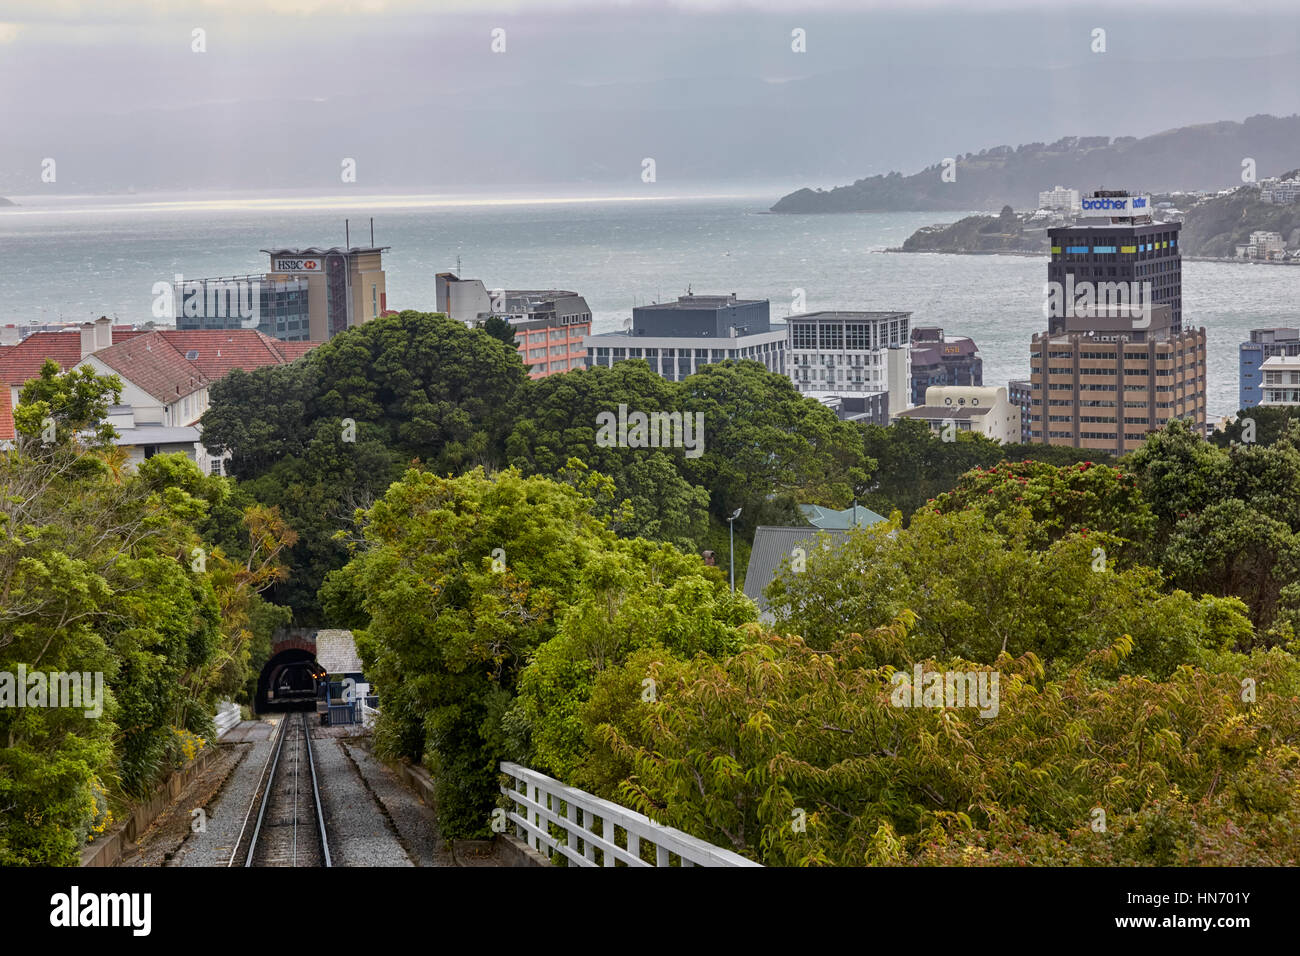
x,y
317,251
840,315
772,547
832,520
940,412
337,652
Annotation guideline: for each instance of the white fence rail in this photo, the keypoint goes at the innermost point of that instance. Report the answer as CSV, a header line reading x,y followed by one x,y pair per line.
x,y
227,716
589,825
368,714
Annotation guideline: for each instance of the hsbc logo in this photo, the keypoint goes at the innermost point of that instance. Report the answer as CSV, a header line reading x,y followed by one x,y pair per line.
x,y
295,265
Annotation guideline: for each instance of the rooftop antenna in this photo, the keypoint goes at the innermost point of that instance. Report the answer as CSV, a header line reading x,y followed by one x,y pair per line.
x,y
372,232
458,266
347,236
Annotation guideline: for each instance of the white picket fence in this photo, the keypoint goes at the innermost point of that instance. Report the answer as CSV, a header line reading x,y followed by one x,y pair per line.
x,y
590,825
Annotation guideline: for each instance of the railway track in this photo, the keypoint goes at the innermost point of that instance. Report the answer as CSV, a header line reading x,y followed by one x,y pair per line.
x,y
284,825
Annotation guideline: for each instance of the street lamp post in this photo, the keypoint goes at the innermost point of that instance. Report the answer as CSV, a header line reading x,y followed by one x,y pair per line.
x,y
731,526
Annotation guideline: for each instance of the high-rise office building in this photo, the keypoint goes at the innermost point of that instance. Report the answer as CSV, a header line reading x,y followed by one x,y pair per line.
x,y
1115,251
679,338
1021,394
1105,381
1115,362
1264,344
345,287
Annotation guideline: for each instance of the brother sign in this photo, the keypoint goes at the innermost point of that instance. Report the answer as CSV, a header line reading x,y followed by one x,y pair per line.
x,y
1117,205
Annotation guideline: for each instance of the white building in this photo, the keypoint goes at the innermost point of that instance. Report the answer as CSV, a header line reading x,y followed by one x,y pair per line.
x,y
1281,384
969,408
1263,245
1281,192
675,357
851,353
1060,199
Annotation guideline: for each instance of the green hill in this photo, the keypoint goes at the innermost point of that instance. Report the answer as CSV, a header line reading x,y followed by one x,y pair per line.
x,y
1191,157
1001,233
1215,227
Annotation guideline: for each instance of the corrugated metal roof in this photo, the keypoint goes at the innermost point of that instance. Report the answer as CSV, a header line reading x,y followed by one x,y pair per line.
x,y
830,519
772,547
337,652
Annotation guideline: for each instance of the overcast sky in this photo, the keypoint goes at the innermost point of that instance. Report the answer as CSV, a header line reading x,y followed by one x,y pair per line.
x,y
875,81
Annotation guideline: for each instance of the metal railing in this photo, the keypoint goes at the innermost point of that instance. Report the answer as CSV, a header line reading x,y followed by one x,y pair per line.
x,y
555,819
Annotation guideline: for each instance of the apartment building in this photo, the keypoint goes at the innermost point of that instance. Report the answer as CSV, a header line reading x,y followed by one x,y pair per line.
x,y
836,353
1251,355
1281,384
939,359
550,324
1106,381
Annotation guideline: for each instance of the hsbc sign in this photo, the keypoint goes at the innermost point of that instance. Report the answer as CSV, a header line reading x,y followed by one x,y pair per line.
x,y
295,265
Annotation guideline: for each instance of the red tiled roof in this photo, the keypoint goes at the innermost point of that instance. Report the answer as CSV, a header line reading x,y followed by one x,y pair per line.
x,y
7,432
217,351
163,364
154,364
22,362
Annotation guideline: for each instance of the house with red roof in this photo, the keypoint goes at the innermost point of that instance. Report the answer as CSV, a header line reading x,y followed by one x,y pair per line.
x,y
165,377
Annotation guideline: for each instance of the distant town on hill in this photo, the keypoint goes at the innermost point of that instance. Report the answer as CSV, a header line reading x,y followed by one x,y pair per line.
x,y
1207,156
1228,224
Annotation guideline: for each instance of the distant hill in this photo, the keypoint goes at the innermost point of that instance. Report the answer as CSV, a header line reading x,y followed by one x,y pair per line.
x,y
1215,227
1190,157
7,202
1002,233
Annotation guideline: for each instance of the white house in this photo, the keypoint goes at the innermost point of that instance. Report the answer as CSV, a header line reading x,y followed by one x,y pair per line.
x,y
1281,380
982,409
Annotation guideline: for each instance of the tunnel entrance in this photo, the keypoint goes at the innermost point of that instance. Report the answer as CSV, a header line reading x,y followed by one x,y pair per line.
x,y
288,682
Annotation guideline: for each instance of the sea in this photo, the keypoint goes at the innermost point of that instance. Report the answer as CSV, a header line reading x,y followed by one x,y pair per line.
x,y
73,258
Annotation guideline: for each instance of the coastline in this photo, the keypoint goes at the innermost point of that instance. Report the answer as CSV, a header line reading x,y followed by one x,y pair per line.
x,y
1043,255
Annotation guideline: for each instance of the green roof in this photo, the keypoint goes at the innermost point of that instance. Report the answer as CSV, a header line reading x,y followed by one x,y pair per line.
x,y
830,520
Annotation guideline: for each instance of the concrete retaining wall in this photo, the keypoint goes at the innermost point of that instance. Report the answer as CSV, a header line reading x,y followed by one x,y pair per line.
x,y
106,850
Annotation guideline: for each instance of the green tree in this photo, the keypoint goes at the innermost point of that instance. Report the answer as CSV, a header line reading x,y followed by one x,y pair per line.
x,y
327,434
764,440
95,579
798,757
454,582
558,422
637,596
980,592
